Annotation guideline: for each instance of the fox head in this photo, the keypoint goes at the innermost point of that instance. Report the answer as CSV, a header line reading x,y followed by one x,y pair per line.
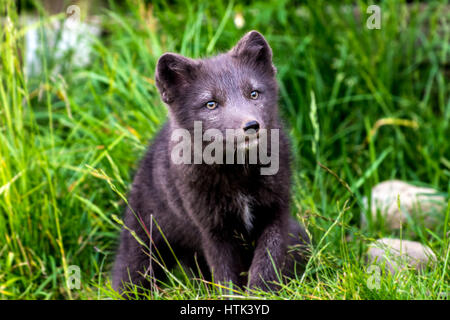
x,y
234,90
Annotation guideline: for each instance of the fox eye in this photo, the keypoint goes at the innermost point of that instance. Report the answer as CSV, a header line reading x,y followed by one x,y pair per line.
x,y
211,105
254,95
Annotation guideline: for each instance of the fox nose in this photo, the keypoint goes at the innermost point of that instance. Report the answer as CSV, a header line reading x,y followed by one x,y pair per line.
x,y
251,125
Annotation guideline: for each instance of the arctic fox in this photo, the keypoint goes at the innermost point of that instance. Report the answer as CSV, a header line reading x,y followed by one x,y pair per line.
x,y
226,221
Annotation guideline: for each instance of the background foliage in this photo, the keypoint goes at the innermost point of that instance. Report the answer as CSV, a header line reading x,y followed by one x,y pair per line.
x,y
369,105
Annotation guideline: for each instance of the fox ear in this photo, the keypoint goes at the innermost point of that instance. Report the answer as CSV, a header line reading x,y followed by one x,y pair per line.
x,y
254,49
172,72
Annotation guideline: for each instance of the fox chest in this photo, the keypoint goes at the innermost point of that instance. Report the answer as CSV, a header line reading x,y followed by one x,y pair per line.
x,y
244,210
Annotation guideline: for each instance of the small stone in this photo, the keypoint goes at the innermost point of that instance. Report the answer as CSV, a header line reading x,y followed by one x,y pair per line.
x,y
416,202
398,254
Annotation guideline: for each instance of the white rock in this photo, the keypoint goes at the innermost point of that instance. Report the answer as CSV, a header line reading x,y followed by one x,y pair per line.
x,y
62,37
398,254
415,202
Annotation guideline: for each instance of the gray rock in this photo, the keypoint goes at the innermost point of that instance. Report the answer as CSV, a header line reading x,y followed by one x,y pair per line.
x,y
399,254
416,202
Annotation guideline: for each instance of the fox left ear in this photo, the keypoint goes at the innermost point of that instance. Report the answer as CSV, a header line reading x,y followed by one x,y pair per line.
x,y
173,71
254,49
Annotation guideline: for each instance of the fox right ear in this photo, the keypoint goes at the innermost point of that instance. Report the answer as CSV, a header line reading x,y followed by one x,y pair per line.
x,y
172,72
254,49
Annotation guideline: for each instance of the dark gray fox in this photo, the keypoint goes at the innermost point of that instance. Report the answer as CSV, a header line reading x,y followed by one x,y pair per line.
x,y
226,222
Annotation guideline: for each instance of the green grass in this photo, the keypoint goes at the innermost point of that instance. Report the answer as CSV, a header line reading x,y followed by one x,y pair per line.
x,y
70,141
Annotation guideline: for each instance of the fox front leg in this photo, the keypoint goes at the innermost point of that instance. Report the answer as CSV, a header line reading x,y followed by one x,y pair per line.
x,y
269,257
224,264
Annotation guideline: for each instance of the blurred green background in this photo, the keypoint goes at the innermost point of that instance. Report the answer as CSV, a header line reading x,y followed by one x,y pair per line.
x,y
78,105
